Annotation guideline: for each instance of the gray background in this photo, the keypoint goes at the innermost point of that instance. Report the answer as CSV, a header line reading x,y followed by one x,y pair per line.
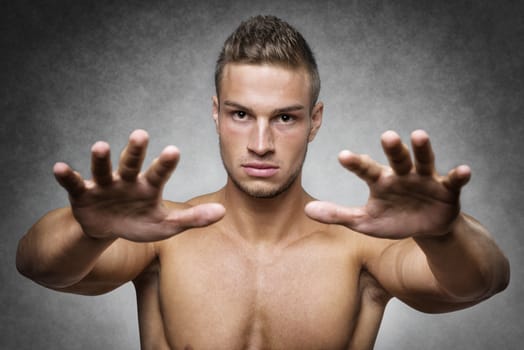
x,y
74,72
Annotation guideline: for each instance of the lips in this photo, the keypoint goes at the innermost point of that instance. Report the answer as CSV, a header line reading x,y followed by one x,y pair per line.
x,y
258,169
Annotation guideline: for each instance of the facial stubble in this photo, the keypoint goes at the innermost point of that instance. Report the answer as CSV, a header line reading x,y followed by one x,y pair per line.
x,y
261,192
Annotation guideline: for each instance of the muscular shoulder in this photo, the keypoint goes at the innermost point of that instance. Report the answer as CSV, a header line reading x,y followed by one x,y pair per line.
x,y
365,247
205,198
366,250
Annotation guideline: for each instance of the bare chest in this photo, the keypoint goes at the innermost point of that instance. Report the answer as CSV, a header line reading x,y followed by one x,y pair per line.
x,y
298,298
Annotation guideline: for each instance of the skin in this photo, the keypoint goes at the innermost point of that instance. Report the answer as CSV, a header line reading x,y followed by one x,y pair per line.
x,y
260,263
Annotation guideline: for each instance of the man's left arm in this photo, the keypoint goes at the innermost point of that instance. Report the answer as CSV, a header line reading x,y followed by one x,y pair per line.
x,y
445,273
440,259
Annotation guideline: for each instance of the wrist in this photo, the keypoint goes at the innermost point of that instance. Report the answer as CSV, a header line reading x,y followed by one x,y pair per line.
x,y
87,233
445,234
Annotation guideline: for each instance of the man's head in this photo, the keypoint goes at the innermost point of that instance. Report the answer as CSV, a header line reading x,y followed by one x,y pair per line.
x,y
265,109
268,40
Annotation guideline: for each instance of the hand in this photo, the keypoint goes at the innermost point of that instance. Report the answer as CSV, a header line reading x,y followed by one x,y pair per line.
x,y
127,203
407,199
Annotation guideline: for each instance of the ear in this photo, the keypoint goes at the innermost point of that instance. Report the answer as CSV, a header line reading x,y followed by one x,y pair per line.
x,y
215,111
316,120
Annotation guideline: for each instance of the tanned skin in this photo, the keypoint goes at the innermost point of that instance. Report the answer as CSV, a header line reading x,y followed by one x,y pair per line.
x,y
260,264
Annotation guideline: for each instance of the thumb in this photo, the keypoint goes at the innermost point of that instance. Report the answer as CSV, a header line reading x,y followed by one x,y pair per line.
x,y
331,213
197,216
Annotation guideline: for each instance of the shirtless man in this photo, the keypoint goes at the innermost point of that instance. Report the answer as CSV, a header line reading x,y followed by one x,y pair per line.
x,y
260,264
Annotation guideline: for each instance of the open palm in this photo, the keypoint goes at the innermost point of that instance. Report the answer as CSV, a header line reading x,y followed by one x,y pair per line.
x,y
407,198
127,203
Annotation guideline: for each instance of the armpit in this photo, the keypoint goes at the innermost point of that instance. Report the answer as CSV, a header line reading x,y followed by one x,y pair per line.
x,y
371,290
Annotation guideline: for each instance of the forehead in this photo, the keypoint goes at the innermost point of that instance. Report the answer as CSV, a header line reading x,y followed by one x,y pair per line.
x,y
264,84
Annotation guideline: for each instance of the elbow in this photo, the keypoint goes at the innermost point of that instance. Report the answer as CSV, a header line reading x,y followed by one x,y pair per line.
x,y
502,278
495,280
41,276
498,277
29,266
23,263
28,262
480,284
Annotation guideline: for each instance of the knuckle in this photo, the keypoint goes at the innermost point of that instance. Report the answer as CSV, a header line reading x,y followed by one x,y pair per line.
x,y
365,157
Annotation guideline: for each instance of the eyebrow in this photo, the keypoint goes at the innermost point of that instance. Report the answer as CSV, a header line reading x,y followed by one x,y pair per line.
x,y
292,108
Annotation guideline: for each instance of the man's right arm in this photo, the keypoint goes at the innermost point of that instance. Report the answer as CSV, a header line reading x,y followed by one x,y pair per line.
x,y
57,254
107,236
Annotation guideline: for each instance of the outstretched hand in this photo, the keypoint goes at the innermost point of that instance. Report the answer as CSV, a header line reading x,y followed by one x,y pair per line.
x,y
127,203
408,198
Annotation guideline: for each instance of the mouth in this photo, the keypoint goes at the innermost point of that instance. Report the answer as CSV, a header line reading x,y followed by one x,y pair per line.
x,y
258,169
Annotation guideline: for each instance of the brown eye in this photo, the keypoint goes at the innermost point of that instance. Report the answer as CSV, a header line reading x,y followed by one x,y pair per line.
x,y
240,114
286,118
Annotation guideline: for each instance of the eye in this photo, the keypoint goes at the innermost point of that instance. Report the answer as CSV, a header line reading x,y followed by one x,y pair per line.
x,y
285,118
240,115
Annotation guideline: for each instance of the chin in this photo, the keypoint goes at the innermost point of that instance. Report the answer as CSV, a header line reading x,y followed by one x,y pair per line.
x,y
264,191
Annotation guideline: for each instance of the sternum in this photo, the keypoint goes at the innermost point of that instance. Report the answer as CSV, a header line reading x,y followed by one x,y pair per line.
x,y
257,331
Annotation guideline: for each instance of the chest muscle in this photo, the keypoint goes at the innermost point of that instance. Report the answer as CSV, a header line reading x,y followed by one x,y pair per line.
x,y
224,298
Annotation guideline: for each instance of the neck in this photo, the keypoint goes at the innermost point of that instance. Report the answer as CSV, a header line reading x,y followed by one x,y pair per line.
x,y
265,220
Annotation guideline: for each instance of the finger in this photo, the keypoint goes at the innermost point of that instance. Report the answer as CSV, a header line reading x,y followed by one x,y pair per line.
x,y
197,216
133,155
70,180
423,152
162,167
397,153
331,213
361,165
101,163
457,178
356,219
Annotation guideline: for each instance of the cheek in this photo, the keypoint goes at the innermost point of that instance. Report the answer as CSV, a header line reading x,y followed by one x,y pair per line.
x,y
232,131
231,139
293,142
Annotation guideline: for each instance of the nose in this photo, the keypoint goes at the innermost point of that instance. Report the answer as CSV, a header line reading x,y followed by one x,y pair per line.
x,y
261,140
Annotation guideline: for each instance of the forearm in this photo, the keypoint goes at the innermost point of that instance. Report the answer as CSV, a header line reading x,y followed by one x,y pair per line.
x,y
56,253
466,262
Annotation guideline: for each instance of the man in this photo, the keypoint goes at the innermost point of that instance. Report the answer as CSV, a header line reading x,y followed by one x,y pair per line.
x,y
259,263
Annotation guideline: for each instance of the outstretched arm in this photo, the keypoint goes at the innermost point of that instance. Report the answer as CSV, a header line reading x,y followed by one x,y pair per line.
x,y
97,237
440,254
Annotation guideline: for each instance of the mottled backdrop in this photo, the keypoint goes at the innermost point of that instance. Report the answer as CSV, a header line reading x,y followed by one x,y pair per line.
x,y
74,72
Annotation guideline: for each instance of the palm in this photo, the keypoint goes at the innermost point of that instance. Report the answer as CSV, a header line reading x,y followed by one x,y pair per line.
x,y
124,210
410,207
406,199
127,203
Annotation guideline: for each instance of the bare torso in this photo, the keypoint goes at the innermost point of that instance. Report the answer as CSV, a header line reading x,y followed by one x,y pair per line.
x,y
210,290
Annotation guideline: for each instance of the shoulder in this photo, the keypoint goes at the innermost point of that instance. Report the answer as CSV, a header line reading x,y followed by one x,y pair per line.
x,y
205,198
367,249
190,236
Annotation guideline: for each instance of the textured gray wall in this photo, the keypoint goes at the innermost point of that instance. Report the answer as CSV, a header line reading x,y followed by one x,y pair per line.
x,y
74,72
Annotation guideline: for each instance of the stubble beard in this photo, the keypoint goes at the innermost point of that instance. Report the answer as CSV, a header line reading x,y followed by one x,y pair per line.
x,y
259,191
